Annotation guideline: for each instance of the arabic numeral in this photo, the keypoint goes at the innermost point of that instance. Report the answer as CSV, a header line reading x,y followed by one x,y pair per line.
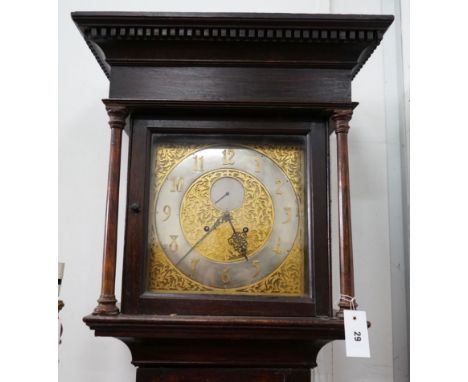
x,y
177,184
357,336
198,165
228,155
167,212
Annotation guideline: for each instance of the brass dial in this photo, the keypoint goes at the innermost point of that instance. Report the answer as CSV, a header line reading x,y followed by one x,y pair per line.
x,y
225,219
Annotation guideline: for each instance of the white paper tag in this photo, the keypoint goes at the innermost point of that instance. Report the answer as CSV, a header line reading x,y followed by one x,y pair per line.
x,y
356,336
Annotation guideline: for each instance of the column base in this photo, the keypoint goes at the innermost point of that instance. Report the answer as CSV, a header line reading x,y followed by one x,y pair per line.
x,y
106,306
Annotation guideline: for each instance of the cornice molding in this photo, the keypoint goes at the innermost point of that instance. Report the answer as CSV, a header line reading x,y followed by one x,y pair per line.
x,y
231,34
283,31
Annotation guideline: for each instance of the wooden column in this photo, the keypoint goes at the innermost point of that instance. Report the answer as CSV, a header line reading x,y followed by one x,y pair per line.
x,y
107,301
347,299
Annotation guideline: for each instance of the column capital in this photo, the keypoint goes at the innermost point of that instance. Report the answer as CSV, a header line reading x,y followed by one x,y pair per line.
x,y
117,116
341,117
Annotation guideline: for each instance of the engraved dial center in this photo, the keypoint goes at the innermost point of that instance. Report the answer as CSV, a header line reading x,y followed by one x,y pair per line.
x,y
227,193
248,205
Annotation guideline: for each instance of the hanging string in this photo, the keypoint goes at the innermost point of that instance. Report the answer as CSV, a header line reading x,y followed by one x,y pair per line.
x,y
350,299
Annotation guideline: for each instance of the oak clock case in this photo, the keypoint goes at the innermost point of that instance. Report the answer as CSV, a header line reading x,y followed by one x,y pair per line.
x,y
227,261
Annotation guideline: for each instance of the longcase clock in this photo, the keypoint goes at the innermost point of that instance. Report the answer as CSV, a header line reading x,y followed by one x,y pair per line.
x,y
226,264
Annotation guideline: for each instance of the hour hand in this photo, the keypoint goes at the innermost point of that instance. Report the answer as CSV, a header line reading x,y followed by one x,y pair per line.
x,y
238,240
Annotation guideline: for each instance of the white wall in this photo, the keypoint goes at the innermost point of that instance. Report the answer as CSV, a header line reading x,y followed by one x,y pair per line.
x,y
376,193
378,186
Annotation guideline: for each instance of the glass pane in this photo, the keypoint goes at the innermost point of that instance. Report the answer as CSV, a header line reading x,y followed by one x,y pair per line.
x,y
227,215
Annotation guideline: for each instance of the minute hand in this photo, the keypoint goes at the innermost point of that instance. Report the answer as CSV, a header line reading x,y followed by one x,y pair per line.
x,y
224,217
